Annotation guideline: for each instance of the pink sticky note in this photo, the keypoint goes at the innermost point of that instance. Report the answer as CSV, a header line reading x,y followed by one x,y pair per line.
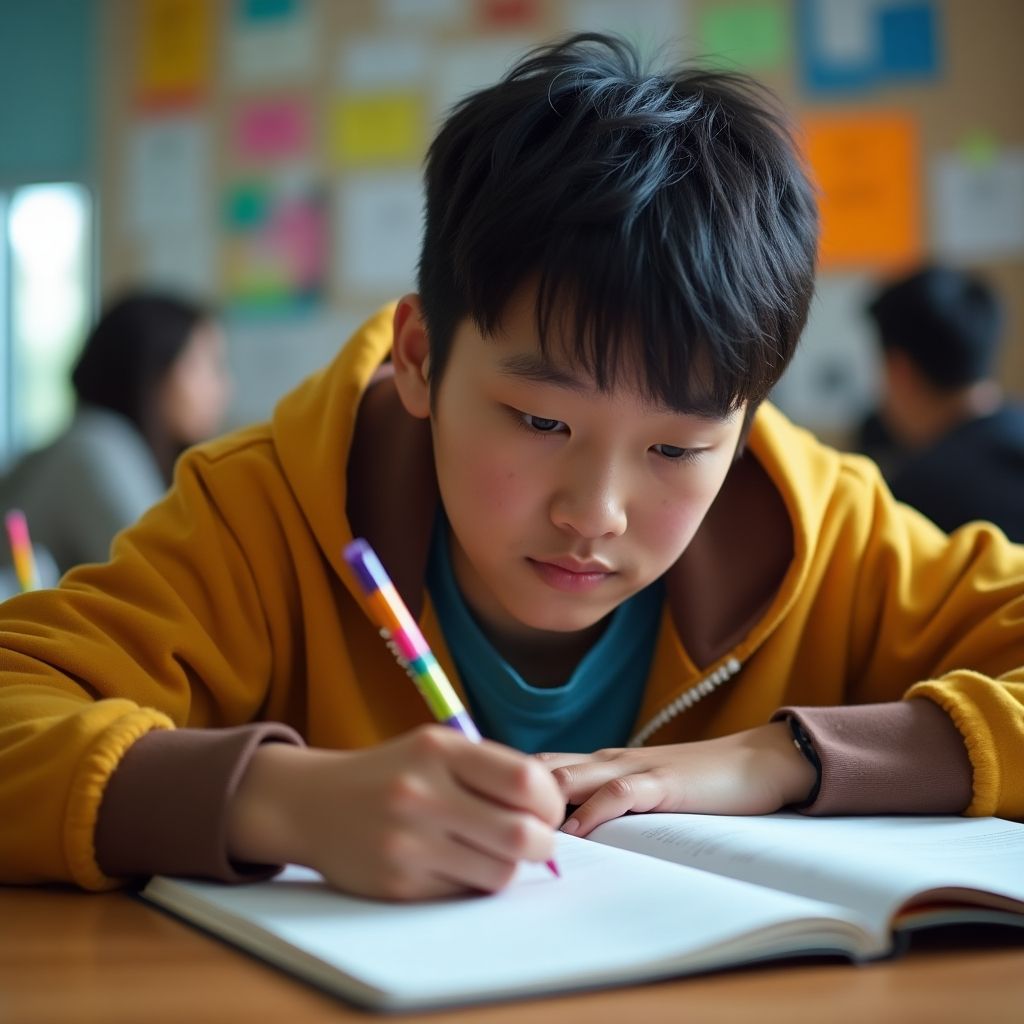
x,y
272,129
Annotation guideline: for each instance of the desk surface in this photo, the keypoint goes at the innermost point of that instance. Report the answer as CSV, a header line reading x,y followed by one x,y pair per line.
x,y
70,956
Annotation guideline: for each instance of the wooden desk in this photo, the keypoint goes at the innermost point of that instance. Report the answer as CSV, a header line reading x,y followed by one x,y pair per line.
x,y
75,958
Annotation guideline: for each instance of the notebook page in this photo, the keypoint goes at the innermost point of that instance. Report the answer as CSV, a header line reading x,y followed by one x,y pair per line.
x,y
611,917
873,864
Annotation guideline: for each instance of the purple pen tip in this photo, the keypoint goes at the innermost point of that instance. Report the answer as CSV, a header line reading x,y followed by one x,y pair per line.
x,y
365,564
553,868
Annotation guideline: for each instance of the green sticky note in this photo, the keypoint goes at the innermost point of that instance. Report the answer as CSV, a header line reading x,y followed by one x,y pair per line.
x,y
753,36
979,148
246,206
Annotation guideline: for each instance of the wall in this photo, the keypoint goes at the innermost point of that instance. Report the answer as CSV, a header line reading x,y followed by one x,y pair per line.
x,y
323,127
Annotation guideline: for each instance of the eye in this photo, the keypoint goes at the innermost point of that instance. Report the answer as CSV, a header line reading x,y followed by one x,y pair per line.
x,y
540,424
675,454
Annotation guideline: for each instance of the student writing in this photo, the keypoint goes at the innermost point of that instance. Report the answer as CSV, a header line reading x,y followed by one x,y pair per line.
x,y
624,558
150,380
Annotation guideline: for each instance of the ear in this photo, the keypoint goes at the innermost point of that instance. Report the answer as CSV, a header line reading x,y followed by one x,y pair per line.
x,y
410,355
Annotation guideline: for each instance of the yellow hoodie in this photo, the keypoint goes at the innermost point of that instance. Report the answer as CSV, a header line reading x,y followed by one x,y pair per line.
x,y
229,603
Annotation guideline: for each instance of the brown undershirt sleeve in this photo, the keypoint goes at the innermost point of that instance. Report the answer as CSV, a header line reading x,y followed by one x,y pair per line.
x,y
904,757
164,809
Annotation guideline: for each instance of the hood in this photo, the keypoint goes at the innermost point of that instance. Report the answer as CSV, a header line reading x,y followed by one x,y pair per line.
x,y
365,468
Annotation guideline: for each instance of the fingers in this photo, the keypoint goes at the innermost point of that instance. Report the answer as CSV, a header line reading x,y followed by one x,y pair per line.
x,y
508,778
623,794
578,776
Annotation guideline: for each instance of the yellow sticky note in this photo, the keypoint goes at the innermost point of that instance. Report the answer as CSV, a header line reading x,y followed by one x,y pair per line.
x,y
175,47
867,169
377,128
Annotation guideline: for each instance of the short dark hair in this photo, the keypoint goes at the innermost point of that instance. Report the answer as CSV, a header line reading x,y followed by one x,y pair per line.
x,y
669,211
949,323
128,354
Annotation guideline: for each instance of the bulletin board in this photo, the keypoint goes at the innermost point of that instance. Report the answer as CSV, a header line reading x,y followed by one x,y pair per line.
x,y
266,154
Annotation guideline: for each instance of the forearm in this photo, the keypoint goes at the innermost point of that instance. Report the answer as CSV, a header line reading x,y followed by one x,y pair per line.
x,y
165,808
904,757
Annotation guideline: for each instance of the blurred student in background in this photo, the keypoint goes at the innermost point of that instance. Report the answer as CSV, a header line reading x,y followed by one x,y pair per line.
x,y
960,445
150,381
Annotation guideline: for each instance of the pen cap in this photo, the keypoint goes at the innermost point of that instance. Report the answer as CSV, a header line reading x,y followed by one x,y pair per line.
x,y
17,528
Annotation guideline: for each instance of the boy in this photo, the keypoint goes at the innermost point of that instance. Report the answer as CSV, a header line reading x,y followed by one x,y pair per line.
x,y
939,330
562,469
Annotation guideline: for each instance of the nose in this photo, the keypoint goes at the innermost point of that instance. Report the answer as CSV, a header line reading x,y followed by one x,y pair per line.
x,y
590,499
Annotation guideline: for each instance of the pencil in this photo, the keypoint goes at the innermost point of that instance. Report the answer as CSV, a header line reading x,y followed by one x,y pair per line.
x,y
406,642
21,550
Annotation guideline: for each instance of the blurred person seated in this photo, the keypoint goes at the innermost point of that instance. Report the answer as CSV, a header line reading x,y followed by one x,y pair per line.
x,y
955,447
150,381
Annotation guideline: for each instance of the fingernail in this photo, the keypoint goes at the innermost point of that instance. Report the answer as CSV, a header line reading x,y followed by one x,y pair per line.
x,y
572,826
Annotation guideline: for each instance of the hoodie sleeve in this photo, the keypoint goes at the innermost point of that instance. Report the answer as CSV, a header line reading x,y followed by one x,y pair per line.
x,y
173,631
947,612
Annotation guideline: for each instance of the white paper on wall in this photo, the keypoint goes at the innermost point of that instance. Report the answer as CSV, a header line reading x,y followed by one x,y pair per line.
x,y
652,24
845,30
404,13
182,259
167,174
978,207
267,360
380,63
377,229
460,70
273,50
833,379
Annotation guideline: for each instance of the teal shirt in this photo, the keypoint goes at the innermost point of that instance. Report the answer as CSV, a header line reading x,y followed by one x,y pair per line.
x,y
596,707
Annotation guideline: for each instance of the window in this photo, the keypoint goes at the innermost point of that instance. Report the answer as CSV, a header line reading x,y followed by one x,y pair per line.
x,y
46,262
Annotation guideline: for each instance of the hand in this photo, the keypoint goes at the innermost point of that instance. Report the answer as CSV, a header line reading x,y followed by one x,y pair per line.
x,y
426,815
752,772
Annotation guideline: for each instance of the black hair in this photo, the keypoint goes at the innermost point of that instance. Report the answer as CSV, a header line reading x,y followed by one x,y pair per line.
x,y
947,321
126,357
669,212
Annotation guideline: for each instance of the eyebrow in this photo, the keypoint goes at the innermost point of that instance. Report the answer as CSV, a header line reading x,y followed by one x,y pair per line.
x,y
529,366
534,367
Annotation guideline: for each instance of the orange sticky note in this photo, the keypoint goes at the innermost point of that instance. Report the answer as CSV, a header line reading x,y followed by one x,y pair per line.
x,y
175,50
867,169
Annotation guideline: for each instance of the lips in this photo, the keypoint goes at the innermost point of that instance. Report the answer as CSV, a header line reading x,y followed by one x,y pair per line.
x,y
569,564
570,575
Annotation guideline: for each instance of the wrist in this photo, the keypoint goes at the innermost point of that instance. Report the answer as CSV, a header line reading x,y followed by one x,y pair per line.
x,y
262,816
797,776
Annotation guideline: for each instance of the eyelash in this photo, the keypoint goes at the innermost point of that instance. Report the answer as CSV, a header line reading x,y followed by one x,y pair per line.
x,y
527,421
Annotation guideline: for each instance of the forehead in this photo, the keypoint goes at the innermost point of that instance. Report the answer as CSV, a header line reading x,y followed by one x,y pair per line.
x,y
517,350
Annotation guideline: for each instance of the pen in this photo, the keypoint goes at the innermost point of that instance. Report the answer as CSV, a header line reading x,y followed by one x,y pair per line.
x,y
21,550
406,642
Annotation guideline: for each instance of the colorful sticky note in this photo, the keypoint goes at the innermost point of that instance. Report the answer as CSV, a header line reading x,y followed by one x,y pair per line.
x,y
508,13
867,168
274,245
909,40
853,45
376,128
754,36
272,129
175,47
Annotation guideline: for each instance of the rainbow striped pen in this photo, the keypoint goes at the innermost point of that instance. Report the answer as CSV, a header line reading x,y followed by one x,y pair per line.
x,y
21,550
403,637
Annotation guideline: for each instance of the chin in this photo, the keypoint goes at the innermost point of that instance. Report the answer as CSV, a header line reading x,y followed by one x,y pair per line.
x,y
559,620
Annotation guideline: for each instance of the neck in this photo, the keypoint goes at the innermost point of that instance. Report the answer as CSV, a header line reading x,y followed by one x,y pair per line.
x,y
545,658
943,412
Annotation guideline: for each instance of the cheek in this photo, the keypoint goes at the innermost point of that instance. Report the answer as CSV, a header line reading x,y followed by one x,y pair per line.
x,y
483,472
670,523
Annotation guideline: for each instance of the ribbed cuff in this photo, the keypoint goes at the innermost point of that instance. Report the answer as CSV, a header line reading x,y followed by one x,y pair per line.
x,y
905,757
164,810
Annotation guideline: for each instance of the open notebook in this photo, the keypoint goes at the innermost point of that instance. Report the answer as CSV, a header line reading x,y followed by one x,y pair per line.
x,y
646,897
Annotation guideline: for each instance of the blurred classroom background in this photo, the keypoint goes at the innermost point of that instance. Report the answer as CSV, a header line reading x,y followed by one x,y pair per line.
x,y
264,156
